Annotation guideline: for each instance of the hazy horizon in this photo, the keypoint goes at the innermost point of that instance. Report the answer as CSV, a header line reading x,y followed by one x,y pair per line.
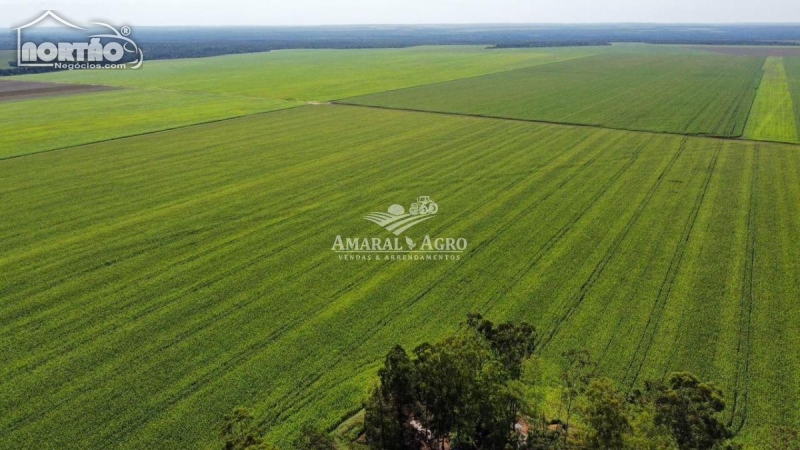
x,y
453,24
410,12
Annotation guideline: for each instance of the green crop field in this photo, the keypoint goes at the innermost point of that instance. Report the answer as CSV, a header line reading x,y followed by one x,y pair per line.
x,y
792,67
323,74
162,264
28,126
772,117
166,250
688,94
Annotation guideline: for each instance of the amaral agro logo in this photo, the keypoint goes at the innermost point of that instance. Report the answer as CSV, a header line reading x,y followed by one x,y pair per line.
x,y
396,221
106,50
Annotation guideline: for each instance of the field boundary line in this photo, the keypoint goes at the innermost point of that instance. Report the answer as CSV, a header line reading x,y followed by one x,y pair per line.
x,y
299,100
564,124
146,133
469,77
443,113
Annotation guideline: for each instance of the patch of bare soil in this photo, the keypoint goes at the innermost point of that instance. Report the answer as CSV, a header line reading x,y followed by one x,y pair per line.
x,y
23,90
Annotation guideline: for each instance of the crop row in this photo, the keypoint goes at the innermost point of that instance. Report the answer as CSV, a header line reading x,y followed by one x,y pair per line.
x,y
152,283
686,94
44,124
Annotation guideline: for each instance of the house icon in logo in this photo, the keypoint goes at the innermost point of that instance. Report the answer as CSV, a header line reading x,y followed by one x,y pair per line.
x,y
22,48
106,50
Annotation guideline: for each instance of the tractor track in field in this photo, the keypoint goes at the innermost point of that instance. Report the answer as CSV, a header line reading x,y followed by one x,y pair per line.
x,y
735,113
720,123
508,223
517,277
242,356
176,339
381,323
609,343
218,315
229,364
733,110
700,113
739,102
754,85
229,270
319,197
752,104
297,239
205,284
654,318
312,378
744,346
600,267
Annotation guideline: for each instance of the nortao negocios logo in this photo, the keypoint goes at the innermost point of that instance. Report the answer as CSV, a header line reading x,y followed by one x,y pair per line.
x,y
396,220
112,49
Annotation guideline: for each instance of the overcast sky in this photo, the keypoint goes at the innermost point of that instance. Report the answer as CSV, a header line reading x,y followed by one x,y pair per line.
x,y
323,12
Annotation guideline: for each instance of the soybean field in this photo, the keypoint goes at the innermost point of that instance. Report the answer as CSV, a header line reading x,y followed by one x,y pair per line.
x,y
773,113
684,94
322,75
166,246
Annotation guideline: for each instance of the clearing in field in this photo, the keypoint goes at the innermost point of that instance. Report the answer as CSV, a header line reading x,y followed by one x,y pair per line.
x,y
686,94
773,115
24,90
152,283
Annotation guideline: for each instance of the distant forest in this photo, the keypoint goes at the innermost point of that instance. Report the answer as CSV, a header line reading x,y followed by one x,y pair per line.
x,y
197,42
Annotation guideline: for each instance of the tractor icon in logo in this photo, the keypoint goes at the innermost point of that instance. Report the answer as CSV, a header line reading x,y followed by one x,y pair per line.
x,y
397,220
423,206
